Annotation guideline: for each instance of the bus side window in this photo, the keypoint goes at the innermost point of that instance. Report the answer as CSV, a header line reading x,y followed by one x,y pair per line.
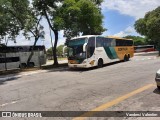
x,y
90,46
130,43
20,49
113,42
99,42
117,43
106,42
125,42
120,42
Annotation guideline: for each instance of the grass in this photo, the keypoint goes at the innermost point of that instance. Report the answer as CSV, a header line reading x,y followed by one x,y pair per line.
x,y
59,59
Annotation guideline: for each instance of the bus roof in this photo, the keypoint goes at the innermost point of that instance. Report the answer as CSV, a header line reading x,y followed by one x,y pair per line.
x,y
85,36
24,45
118,38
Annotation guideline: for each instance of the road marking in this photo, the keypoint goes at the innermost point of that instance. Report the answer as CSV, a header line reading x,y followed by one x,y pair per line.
x,y
150,58
5,104
113,102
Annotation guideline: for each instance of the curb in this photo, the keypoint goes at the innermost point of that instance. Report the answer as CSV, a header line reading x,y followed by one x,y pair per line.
x,y
5,78
144,53
10,78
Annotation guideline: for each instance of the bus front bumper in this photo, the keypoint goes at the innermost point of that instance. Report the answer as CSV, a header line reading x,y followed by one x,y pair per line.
x,y
78,66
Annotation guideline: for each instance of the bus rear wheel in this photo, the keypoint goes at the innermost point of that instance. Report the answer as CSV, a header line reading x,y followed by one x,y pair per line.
x,y
100,63
31,64
128,57
23,65
125,58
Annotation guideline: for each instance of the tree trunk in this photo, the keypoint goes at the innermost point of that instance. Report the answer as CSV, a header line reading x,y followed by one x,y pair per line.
x,y
56,37
55,46
32,51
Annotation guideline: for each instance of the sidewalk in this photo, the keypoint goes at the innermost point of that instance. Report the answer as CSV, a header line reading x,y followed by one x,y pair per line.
x,y
27,73
142,53
50,62
20,74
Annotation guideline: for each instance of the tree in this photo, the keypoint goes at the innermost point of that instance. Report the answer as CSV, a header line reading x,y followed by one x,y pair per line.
x,y
48,9
137,40
72,16
81,16
50,54
9,25
37,32
149,26
23,17
60,50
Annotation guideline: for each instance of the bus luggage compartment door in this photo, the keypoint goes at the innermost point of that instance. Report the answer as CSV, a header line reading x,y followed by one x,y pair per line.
x,y
12,61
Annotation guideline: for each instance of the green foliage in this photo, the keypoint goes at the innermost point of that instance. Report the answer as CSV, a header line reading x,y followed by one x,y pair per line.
x,y
49,10
59,51
16,15
19,15
137,40
72,16
98,2
149,26
49,52
9,11
81,16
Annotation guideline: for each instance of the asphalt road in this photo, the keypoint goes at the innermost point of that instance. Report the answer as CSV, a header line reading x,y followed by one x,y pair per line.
x,y
121,86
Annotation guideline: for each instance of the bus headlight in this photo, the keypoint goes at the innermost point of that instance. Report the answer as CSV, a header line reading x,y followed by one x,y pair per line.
x,y
84,62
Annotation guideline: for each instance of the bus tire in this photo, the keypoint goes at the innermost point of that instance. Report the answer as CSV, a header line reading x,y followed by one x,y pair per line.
x,y
100,63
31,64
158,87
23,65
128,57
125,58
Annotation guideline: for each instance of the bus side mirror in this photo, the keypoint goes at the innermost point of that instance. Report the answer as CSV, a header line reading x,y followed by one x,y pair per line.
x,y
85,47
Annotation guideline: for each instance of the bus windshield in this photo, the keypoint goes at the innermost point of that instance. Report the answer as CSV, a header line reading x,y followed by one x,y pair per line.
x,y
76,48
76,52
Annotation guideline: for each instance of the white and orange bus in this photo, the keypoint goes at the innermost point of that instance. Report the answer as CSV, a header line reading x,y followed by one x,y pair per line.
x,y
93,50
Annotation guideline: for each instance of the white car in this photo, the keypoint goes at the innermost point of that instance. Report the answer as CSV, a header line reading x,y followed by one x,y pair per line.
x,y
158,79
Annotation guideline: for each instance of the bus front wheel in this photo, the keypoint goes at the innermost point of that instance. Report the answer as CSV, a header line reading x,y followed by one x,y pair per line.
x,y
100,63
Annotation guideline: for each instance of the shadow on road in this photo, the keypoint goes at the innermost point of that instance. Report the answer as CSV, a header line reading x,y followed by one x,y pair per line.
x,y
80,70
156,91
2,82
60,68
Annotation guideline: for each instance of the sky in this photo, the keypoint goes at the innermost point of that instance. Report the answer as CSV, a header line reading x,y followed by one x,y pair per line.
x,y
119,19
